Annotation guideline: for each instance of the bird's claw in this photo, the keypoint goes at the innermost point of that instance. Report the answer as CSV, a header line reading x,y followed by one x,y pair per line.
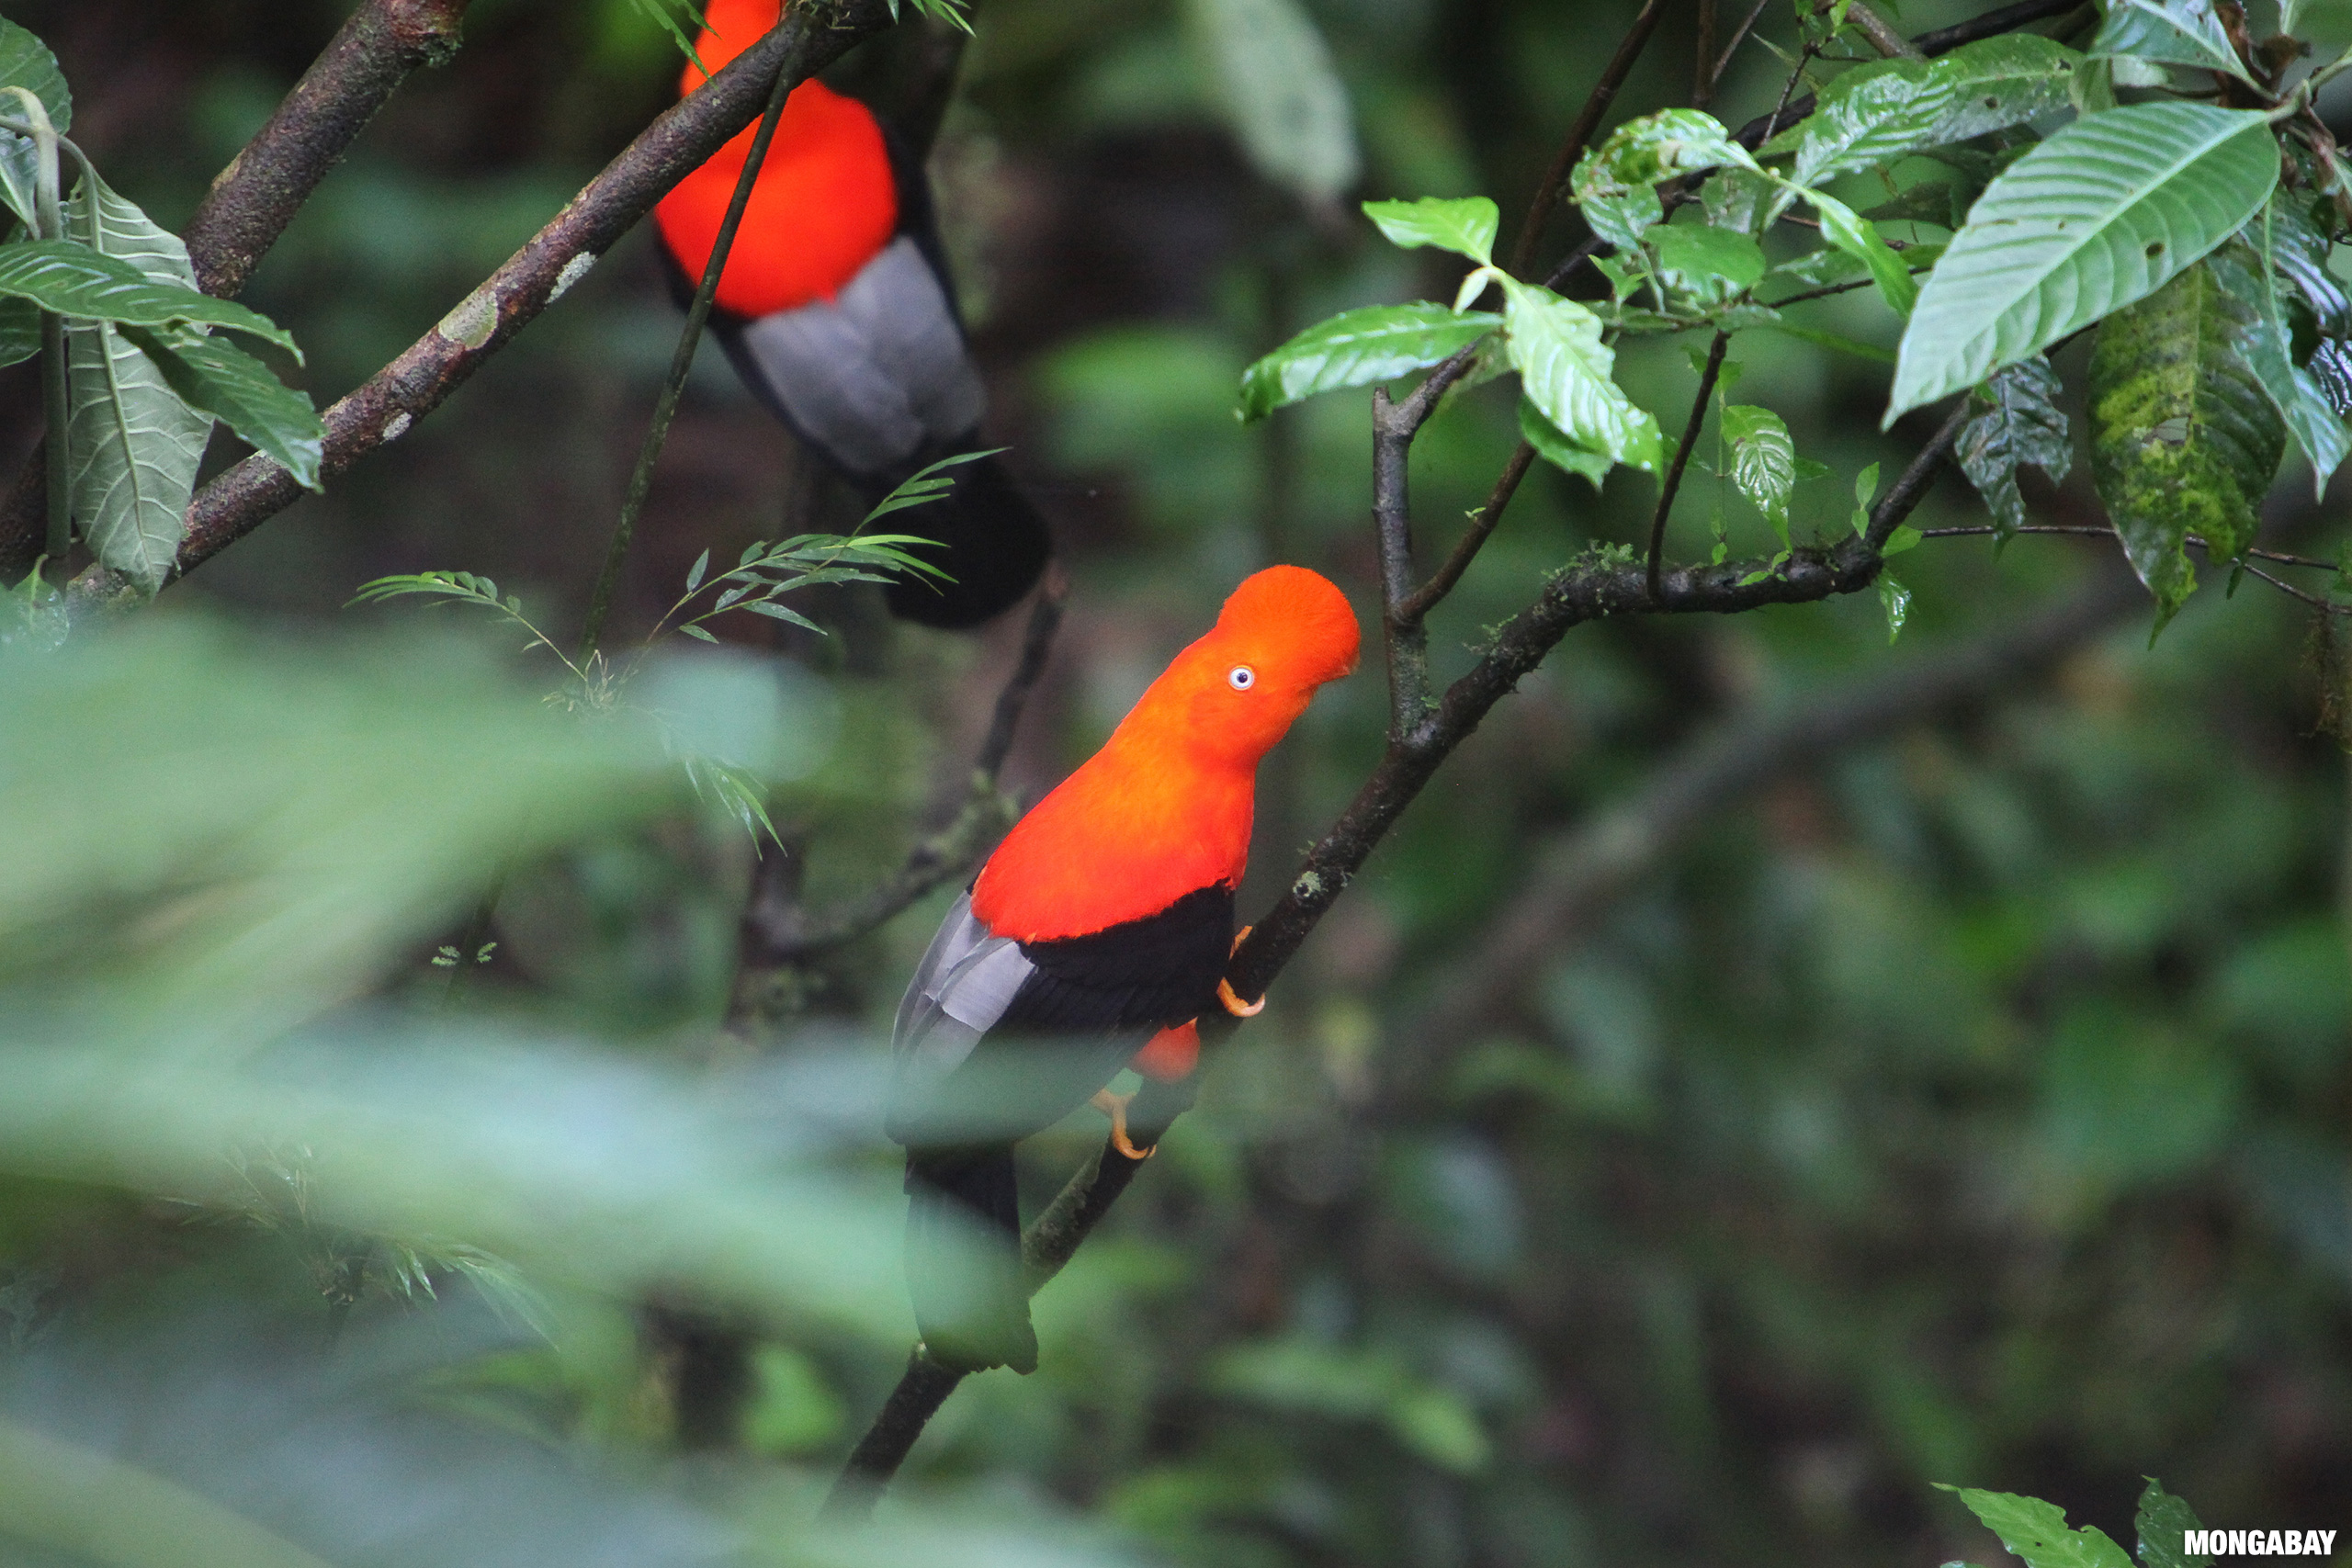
x,y
1114,1106
1224,992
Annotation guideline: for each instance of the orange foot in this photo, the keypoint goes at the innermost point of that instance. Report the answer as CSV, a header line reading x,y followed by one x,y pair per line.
x,y
1114,1106
1234,1004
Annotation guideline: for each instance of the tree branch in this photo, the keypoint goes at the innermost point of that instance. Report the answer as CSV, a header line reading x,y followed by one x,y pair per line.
x,y
681,140
1673,482
254,198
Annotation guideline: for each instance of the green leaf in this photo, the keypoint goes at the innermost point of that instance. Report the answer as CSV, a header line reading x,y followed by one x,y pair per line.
x,y
2176,32
1895,600
135,443
2004,81
1871,117
694,573
2266,345
70,278
1465,225
1836,342
1615,182
1358,348
19,331
2021,424
1282,94
2183,439
2097,217
1710,264
1564,367
2036,1531
2162,1520
1558,450
1763,460
1859,238
1865,487
26,61
217,377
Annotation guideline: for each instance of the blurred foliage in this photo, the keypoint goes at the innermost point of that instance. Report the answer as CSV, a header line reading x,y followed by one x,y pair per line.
x,y
1975,1106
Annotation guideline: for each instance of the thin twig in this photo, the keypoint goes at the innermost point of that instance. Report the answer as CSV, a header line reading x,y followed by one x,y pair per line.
x,y
1587,120
2081,531
682,362
1883,38
1482,525
1702,69
1673,481
1738,37
1393,427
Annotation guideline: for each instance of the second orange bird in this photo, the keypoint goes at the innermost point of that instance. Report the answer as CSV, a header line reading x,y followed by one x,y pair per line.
x,y
837,311
1091,941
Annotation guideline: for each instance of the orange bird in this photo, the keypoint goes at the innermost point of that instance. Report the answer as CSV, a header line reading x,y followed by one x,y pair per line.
x,y
1091,940
837,311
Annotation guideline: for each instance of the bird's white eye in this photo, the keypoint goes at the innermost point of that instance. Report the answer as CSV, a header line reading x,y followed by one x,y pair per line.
x,y
1241,677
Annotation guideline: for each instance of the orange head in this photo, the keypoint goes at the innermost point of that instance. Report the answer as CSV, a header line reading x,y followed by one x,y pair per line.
x,y
826,200
1235,692
1164,809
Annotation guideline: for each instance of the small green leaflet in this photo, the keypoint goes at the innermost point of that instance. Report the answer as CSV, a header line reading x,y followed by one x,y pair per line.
x,y
71,280
2036,1531
1865,487
1763,461
1465,225
2178,32
2022,422
1710,265
1564,367
1356,349
1895,600
2101,215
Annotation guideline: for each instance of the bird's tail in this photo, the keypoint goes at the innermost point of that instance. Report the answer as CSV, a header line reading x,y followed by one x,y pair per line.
x,y
964,1258
991,540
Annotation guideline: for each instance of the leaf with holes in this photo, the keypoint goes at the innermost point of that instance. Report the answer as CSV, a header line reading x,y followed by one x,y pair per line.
x,y
2173,32
1615,184
2020,423
1465,225
2097,217
2264,343
1358,348
1564,367
1763,460
2183,439
1274,78
1879,112
26,61
217,377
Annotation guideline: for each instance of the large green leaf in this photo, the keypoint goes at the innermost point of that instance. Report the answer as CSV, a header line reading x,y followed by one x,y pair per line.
x,y
26,61
1763,460
2266,345
1564,367
1465,225
2174,32
1358,348
214,377
71,280
2183,439
2020,423
1877,113
1281,91
2099,216
2162,1521
2036,1531
135,443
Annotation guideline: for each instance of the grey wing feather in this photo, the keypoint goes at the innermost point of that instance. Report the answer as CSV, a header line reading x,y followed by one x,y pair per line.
x,y
966,980
876,372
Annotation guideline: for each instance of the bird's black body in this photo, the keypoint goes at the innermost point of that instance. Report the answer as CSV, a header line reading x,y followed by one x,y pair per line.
x,y
996,1040
878,383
